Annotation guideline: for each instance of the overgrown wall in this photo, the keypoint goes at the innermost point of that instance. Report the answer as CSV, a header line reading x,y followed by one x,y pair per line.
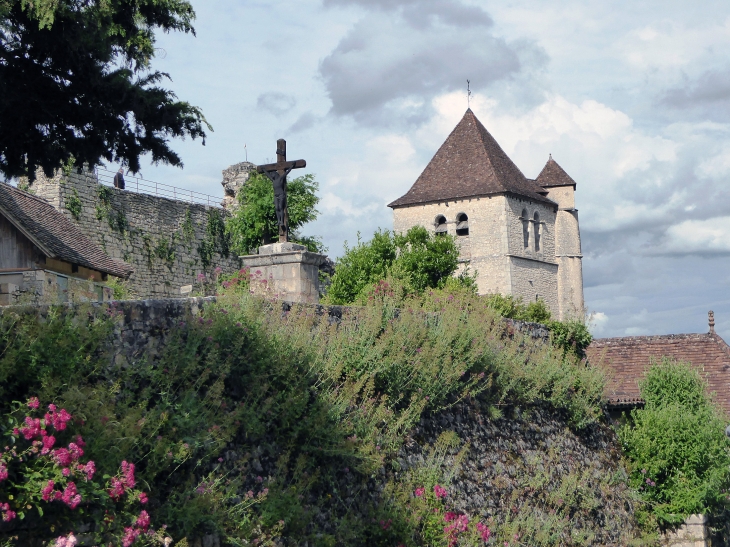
x,y
168,242
524,466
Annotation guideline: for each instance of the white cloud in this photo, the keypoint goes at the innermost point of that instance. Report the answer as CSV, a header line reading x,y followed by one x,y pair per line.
x,y
597,323
710,235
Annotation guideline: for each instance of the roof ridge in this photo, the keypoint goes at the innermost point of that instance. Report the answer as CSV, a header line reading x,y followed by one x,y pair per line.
x,y
650,336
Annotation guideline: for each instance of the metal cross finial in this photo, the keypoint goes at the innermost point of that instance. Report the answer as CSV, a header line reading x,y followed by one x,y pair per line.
x,y
711,320
468,94
245,150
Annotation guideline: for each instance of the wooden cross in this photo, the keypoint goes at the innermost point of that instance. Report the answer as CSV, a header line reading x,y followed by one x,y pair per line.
x,y
277,172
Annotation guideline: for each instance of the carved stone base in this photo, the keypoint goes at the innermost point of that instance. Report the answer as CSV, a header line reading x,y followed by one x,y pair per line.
x,y
285,271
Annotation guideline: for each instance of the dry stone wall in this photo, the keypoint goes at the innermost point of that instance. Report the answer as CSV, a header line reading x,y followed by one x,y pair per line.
x,y
169,243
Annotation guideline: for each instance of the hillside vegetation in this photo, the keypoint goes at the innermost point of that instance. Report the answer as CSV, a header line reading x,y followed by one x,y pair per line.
x,y
268,428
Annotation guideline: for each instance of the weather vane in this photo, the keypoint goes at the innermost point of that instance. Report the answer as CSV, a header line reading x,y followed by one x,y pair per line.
x,y
468,94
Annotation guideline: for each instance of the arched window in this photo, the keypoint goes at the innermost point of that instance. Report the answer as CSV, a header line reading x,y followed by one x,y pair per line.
x,y
537,231
440,224
462,224
525,228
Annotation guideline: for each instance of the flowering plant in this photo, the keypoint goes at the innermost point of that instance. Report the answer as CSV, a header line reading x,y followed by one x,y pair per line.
x,y
44,478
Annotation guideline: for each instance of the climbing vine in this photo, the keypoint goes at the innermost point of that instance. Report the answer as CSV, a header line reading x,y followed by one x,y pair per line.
x,y
216,239
73,204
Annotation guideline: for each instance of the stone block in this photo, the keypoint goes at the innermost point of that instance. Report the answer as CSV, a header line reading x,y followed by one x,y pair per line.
x,y
8,288
7,299
285,271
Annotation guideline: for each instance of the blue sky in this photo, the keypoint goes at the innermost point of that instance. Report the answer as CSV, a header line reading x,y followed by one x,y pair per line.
x,y
631,98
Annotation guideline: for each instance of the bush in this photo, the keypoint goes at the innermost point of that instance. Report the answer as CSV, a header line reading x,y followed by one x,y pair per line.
x,y
418,260
245,423
677,446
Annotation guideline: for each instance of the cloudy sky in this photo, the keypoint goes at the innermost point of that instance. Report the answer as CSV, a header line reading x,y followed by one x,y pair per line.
x,y
631,98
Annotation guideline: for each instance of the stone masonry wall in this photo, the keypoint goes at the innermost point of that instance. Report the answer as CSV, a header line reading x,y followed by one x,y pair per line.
x,y
494,248
168,242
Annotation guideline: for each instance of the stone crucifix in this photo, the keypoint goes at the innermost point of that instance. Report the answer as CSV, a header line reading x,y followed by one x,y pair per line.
x,y
277,172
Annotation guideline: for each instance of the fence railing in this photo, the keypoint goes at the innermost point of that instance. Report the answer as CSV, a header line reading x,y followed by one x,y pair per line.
x,y
144,186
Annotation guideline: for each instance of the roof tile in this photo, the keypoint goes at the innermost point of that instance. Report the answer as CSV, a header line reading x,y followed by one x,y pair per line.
x,y
469,163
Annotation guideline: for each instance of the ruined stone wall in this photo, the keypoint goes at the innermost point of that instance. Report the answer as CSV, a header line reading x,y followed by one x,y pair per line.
x,y
168,242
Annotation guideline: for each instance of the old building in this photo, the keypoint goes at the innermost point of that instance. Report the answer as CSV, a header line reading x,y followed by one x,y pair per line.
x,y
520,236
44,256
626,360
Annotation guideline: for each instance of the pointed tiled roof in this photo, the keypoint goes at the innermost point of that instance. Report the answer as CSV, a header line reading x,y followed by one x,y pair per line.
x,y
470,163
54,234
554,175
627,359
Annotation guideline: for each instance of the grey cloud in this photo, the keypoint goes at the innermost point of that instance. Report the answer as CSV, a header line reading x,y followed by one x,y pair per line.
x,y
304,122
384,70
276,103
708,95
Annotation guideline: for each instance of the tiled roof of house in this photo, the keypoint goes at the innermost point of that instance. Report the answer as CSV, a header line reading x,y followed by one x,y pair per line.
x,y
469,163
626,360
54,234
554,175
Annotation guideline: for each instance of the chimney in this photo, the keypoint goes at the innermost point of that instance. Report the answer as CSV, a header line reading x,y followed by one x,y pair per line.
x,y
711,321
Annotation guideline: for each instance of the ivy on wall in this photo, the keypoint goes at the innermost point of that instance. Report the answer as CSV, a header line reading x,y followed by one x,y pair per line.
x,y
216,239
73,204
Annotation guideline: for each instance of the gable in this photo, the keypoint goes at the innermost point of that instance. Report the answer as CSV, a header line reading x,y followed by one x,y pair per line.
x,y
16,250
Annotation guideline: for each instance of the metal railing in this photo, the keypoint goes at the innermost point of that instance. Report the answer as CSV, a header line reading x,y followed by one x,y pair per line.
x,y
143,186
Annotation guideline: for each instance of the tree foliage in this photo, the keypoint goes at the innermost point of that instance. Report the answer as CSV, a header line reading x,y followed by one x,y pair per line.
x,y
417,259
76,84
677,445
254,221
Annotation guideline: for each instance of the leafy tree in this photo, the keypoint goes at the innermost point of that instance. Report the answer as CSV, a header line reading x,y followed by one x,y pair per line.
x,y
420,259
76,84
679,453
254,220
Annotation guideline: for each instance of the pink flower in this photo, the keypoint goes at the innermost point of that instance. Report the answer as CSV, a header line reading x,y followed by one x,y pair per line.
x,y
66,541
117,489
143,498
71,496
440,491
8,514
32,428
66,472
128,472
75,451
130,536
62,457
89,469
80,440
484,532
47,491
3,471
143,521
33,402
420,492
48,442
449,516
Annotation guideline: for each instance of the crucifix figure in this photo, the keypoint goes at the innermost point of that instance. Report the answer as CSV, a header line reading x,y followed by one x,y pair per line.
x,y
277,172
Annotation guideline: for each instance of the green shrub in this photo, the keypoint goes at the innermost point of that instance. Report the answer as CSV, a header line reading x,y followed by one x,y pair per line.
x,y
677,446
241,385
418,260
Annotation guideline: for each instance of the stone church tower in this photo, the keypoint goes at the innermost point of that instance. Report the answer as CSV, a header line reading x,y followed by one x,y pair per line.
x,y
521,236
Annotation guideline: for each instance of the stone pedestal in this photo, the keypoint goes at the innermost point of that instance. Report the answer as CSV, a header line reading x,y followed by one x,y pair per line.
x,y
286,271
